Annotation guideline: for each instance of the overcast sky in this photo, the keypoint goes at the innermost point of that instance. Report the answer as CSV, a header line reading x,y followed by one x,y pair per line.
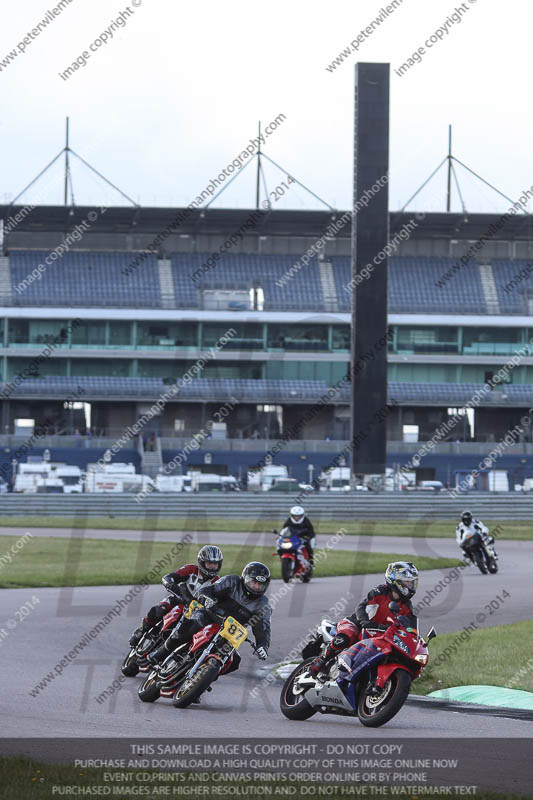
x,y
178,91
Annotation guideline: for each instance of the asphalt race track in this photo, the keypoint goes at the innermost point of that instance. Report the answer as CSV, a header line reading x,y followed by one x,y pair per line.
x,y
67,706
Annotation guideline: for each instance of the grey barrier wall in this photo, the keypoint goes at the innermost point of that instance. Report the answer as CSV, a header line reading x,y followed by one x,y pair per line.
x,y
385,505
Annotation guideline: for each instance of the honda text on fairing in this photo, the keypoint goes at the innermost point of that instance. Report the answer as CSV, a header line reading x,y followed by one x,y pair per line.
x,y
477,544
369,680
294,556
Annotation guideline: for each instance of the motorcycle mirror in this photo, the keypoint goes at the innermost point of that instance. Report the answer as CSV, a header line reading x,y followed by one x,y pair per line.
x,y
431,635
394,607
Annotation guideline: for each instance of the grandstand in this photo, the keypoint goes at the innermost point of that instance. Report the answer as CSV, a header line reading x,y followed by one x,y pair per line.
x,y
146,314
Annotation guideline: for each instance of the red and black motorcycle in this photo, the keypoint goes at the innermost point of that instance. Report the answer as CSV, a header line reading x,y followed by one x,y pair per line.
x,y
370,680
191,668
294,556
136,660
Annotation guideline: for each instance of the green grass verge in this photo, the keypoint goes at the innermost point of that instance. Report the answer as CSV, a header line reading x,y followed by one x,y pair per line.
x,y
492,656
516,529
25,779
51,561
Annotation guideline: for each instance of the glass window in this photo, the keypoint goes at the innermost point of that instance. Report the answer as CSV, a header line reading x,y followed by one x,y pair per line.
x,y
108,367
232,369
161,369
434,339
298,337
341,337
49,367
249,336
119,333
39,331
167,334
491,341
89,333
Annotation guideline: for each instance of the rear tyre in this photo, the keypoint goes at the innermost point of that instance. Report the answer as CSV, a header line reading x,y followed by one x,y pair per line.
x,y
376,711
308,575
287,568
191,688
149,691
294,705
129,667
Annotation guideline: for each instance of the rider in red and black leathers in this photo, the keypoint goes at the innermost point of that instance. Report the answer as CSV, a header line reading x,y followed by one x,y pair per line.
x,y
189,580
244,597
373,610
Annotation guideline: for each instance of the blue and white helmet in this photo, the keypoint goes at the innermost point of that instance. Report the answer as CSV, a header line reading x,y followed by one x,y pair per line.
x,y
403,577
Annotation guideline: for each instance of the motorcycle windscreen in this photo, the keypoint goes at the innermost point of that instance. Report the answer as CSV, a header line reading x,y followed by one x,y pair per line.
x,y
359,657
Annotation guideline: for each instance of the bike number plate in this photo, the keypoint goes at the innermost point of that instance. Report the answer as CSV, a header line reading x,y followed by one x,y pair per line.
x,y
194,606
234,632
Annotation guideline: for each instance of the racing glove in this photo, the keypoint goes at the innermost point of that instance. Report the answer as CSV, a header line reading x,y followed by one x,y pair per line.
x,y
368,623
207,602
261,653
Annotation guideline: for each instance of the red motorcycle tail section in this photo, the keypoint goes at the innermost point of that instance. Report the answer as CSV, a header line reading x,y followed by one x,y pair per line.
x,y
203,637
173,617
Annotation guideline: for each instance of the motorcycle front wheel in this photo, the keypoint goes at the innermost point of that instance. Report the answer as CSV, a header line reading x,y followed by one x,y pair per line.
x,y
492,565
287,568
480,561
129,667
293,704
149,691
375,711
191,688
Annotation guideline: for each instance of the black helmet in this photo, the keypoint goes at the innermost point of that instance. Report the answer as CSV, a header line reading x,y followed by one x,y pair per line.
x,y
402,576
466,517
211,554
255,577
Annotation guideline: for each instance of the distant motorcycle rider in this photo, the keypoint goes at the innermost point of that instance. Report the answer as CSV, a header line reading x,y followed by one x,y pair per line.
x,y
243,597
189,580
303,527
466,531
401,583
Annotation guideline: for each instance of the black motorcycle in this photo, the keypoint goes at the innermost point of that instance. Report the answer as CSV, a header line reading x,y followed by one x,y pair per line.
x,y
480,549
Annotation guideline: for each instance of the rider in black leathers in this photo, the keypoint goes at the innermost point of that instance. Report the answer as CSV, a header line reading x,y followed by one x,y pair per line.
x,y
241,596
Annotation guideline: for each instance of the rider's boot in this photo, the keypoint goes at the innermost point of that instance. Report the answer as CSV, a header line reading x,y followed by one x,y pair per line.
x,y
138,633
320,664
182,634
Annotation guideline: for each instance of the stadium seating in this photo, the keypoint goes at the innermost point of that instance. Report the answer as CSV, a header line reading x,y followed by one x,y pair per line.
x,y
416,285
85,279
302,291
248,390
413,286
514,300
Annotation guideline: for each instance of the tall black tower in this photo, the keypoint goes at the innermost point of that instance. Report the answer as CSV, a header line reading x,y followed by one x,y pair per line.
x,y
370,235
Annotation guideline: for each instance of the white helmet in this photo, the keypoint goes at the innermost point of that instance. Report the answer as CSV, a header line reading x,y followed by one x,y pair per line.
x,y
297,514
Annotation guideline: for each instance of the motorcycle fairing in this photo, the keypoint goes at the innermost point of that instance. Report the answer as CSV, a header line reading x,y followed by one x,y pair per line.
x,y
357,658
204,636
172,616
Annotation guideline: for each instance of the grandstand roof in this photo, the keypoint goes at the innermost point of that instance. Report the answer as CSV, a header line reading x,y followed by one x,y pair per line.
x,y
277,223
